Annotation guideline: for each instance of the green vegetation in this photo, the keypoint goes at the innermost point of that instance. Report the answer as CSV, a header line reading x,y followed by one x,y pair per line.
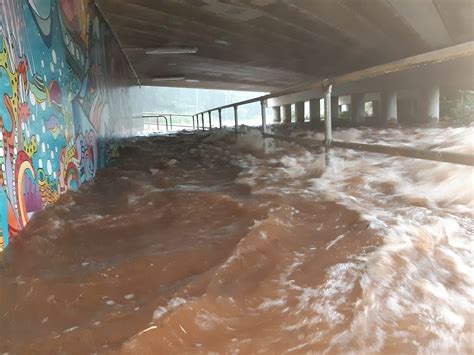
x,y
457,106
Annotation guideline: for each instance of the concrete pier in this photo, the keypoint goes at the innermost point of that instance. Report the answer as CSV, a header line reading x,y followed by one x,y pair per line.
x,y
276,114
236,117
286,113
315,111
429,104
407,108
299,112
389,109
357,108
328,114
377,112
263,108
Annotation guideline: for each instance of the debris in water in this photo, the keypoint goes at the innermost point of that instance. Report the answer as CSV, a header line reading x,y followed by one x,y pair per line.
x,y
70,329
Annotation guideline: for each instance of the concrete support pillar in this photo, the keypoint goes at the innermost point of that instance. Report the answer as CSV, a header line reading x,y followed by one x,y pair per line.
x,y
407,110
429,104
236,118
327,115
286,113
299,112
263,108
357,108
315,111
335,107
276,114
376,110
388,105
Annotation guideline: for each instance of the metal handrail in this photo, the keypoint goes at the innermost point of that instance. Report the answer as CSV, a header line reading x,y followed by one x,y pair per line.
x,y
167,116
433,155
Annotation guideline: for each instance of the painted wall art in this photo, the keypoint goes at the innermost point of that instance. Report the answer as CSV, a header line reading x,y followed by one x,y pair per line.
x,y
64,87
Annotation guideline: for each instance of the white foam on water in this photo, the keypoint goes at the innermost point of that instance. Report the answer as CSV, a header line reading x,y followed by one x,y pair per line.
x,y
418,286
172,305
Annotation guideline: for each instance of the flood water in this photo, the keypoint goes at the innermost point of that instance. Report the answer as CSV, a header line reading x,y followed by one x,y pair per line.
x,y
210,243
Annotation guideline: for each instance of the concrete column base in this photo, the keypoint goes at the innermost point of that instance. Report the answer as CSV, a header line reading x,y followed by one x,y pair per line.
x,y
286,113
328,115
389,108
406,110
377,111
276,114
299,112
429,105
357,108
315,111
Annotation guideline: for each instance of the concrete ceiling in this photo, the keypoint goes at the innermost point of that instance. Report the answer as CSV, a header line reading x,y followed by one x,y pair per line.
x,y
264,45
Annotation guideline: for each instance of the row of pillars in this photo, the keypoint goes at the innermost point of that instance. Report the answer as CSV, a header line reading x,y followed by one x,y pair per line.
x,y
429,110
387,108
314,112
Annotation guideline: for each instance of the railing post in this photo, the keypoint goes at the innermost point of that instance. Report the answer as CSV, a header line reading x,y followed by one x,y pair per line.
x,y
194,126
236,118
197,121
327,113
202,121
210,120
220,118
171,122
264,116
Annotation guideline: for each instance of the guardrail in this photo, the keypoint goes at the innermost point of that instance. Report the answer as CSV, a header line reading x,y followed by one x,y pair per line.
x,y
441,156
168,118
325,87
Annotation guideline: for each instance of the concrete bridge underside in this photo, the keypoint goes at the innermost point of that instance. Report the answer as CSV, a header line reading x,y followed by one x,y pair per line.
x,y
265,45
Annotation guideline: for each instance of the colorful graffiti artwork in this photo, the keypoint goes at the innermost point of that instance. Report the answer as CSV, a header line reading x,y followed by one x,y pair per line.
x,y
56,80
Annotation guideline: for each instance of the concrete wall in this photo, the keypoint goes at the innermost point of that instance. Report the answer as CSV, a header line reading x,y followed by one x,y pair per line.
x,y
64,83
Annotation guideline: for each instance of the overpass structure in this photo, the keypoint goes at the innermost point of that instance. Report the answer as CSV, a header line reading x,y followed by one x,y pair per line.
x,y
393,53
451,66
268,45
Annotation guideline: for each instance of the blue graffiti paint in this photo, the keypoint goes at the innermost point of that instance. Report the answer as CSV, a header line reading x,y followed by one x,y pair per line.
x,y
57,83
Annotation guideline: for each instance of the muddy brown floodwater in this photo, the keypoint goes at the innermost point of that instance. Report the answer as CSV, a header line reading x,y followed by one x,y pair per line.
x,y
211,243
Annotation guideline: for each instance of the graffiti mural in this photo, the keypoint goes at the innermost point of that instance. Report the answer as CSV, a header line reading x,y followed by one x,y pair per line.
x,y
62,79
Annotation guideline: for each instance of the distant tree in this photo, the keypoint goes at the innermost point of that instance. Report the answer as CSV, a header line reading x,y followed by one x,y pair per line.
x,y
457,106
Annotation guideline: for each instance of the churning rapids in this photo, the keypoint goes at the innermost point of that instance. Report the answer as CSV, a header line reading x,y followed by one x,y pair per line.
x,y
211,243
